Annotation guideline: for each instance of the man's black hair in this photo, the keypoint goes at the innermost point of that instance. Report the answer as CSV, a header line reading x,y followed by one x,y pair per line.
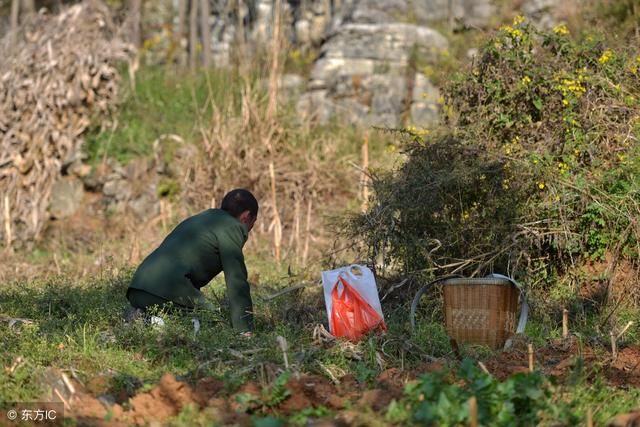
x,y
239,200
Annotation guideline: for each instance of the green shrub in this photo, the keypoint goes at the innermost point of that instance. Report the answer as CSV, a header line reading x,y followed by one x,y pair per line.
x,y
535,167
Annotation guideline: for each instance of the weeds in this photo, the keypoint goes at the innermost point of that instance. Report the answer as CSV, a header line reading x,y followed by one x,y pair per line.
x,y
161,104
533,173
77,327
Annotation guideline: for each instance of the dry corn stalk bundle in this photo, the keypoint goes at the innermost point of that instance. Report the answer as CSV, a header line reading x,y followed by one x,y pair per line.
x,y
57,74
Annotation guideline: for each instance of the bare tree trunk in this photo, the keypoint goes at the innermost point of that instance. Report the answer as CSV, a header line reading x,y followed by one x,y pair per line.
x,y
8,237
634,14
28,6
15,13
272,107
180,32
327,10
240,39
133,10
193,35
364,180
206,33
270,116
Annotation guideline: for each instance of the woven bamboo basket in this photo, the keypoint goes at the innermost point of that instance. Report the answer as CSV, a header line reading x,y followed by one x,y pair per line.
x,y
480,311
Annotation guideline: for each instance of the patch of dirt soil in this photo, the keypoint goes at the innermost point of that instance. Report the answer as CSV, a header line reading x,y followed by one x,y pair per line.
x,y
309,391
165,400
394,378
207,389
349,387
560,356
314,390
376,399
625,370
86,407
170,396
632,419
556,359
623,278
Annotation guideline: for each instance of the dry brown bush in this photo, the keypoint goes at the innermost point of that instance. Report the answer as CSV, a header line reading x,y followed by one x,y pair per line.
x,y
58,74
311,181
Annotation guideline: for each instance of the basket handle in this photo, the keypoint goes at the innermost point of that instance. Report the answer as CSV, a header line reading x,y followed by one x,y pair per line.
x,y
524,306
416,299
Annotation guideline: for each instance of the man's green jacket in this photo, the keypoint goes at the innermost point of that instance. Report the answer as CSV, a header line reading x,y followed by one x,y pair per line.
x,y
197,250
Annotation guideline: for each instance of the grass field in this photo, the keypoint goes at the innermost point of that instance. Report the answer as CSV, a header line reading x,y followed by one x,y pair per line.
x,y
75,327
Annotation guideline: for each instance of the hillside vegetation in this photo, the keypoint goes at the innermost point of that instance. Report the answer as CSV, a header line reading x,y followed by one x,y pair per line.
x,y
534,172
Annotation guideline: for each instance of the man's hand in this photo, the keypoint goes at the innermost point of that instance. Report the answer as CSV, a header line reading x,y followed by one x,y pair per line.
x,y
202,303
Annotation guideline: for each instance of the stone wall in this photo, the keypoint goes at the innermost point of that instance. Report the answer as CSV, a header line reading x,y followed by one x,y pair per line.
x,y
362,73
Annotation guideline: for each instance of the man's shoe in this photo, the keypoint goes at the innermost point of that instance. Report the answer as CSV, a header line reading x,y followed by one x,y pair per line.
x,y
156,321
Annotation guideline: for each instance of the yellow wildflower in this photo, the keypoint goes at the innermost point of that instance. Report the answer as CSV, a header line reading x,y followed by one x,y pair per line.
x,y
541,185
606,56
563,168
417,131
295,54
526,80
428,71
561,30
514,33
152,42
518,20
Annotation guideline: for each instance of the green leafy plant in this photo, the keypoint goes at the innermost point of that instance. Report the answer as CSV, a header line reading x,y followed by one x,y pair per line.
x,y
443,399
278,392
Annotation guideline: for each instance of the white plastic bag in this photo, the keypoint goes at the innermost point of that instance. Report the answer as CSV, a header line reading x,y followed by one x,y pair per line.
x,y
360,279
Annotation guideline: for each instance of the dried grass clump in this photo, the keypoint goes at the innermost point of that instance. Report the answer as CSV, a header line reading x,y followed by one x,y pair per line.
x,y
59,72
279,159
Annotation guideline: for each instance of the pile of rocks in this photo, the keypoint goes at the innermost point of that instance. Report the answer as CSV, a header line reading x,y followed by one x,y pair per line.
x,y
361,75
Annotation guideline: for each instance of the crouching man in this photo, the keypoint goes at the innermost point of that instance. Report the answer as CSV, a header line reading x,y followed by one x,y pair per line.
x,y
196,251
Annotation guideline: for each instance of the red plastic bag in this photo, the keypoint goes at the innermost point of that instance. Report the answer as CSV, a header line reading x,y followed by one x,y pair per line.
x,y
351,316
